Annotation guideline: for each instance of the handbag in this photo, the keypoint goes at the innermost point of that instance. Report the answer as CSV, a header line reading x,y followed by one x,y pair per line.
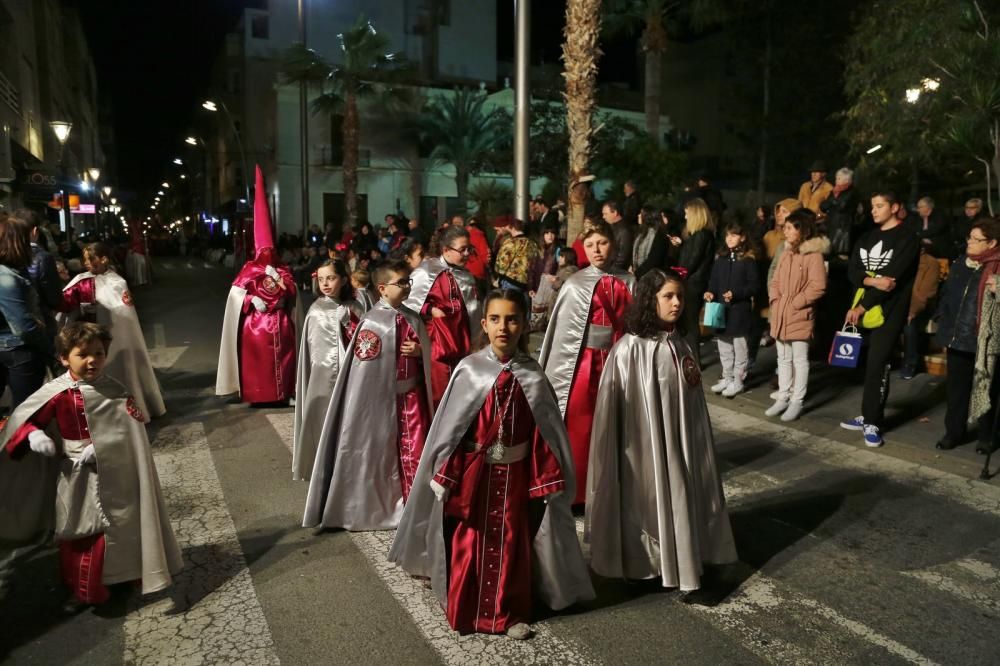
x,y
715,315
846,348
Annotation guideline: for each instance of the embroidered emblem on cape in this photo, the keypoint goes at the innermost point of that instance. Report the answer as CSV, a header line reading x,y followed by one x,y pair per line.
x,y
691,372
269,286
127,297
367,345
133,410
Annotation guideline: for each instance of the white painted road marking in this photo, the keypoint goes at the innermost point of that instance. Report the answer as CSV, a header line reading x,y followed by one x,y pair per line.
x,y
225,623
427,614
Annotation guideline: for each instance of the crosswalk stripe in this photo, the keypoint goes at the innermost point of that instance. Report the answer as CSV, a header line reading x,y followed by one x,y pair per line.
x,y
427,614
225,622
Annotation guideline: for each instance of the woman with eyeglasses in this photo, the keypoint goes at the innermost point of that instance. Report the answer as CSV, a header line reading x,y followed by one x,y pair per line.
x,y
969,328
444,293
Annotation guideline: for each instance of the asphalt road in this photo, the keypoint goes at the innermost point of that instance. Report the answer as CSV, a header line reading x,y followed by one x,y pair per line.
x,y
847,555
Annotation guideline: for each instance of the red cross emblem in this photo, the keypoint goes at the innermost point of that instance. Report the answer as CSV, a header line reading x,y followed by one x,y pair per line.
x,y
367,345
691,372
134,411
127,298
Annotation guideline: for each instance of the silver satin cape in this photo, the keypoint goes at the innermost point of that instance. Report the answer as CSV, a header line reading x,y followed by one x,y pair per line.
x,y
128,359
120,497
427,272
322,352
655,505
560,573
567,328
355,482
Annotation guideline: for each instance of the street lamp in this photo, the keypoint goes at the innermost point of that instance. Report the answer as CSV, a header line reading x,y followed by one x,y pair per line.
x,y
191,141
165,184
107,191
62,129
94,173
213,107
178,161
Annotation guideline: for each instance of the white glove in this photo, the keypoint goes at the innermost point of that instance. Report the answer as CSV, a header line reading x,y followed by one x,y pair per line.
x,y
272,271
440,492
41,443
258,303
552,496
88,455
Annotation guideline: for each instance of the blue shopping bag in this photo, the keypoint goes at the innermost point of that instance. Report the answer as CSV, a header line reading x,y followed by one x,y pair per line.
x,y
715,315
846,348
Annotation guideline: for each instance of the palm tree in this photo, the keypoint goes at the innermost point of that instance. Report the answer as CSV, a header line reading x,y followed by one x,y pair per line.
x,y
652,18
367,70
461,133
580,55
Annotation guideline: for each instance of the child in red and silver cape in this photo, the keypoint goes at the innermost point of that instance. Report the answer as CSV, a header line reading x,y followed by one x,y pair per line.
x,y
326,333
655,506
489,518
111,521
378,416
100,295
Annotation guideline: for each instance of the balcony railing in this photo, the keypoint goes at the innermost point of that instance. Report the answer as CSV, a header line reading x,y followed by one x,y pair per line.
x,y
9,94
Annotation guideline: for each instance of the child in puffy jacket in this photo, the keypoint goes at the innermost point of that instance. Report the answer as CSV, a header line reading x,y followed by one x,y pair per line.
x,y
733,282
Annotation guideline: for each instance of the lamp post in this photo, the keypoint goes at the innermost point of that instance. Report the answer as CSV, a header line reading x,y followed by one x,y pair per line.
x,y
95,174
522,107
209,105
304,127
205,176
62,130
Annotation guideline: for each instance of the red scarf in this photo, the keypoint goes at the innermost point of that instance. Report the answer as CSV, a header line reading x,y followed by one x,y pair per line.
x,y
990,261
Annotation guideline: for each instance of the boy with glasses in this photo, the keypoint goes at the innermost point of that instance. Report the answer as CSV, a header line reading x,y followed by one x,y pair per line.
x,y
367,458
444,294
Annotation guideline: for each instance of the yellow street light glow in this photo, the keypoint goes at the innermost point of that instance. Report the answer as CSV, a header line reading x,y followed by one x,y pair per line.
x,y
165,184
62,129
209,105
912,95
191,141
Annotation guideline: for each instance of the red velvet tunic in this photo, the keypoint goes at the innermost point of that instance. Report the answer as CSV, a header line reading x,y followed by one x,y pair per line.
x,y
450,337
488,531
80,298
412,415
607,308
267,340
81,561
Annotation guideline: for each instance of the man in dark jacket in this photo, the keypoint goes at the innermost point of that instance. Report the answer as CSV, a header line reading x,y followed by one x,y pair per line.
x,y
931,229
632,205
972,213
624,235
842,216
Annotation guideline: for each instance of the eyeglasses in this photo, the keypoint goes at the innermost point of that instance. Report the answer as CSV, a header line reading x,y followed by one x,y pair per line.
x,y
402,284
468,249
971,239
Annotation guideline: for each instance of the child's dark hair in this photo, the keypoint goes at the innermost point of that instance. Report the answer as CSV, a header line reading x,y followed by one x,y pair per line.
x,y
405,249
569,254
81,334
641,318
804,220
515,296
746,246
384,271
340,270
99,250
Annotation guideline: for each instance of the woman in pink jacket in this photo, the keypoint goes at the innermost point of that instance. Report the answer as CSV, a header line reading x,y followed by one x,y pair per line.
x,y
798,283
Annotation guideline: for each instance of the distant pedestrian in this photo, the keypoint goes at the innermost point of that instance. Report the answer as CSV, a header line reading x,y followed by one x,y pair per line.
x,y
696,256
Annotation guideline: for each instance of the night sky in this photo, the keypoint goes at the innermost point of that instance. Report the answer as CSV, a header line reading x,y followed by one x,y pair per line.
x,y
153,59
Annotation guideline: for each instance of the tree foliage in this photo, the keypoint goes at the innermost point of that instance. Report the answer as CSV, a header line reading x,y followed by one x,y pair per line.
x,y
926,90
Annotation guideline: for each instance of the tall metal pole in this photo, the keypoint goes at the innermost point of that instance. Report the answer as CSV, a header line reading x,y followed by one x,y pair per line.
x,y
304,128
522,107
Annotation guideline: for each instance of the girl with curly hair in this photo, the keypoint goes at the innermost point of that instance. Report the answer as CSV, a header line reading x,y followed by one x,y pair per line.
x,y
655,505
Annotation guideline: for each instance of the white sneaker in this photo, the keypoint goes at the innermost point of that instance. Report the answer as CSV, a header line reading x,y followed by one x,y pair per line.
x,y
720,386
778,407
793,411
733,390
775,395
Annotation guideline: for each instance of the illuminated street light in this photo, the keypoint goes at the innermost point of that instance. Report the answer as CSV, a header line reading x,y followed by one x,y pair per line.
x,y
912,95
94,173
178,161
165,185
160,193
114,201
874,149
62,129
183,176
191,141
85,186
107,191
209,105
930,85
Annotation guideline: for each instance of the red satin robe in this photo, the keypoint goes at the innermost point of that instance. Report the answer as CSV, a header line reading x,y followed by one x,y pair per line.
x,y
488,530
81,561
81,297
607,308
450,337
267,340
413,418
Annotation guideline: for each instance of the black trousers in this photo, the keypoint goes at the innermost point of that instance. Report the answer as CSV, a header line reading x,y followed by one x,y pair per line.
x,y
881,343
961,367
23,369
691,317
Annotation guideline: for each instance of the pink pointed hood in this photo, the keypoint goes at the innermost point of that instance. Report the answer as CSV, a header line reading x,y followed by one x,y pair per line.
x,y
263,238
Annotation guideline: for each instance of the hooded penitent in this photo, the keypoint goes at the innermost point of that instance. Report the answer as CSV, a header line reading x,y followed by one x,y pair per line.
x,y
257,354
